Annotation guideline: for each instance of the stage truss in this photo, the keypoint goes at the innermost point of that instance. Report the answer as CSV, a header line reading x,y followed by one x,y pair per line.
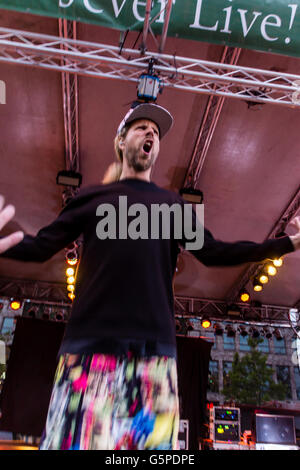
x,y
63,54
184,307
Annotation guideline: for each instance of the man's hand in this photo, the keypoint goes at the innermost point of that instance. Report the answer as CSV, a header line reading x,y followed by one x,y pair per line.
x,y
296,238
6,214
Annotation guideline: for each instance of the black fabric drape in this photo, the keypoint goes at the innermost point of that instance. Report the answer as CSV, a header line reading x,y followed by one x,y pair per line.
x,y
193,364
30,372
33,359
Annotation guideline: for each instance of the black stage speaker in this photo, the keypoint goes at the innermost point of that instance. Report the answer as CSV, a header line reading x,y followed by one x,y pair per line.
x,y
30,373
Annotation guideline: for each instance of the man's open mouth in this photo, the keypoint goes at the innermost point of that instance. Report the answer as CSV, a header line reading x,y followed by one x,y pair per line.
x,y
147,146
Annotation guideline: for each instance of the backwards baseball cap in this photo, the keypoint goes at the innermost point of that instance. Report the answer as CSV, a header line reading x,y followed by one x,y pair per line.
x,y
162,118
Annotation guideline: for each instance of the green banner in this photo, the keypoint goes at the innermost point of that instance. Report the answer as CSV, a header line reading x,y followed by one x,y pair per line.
x,y
265,25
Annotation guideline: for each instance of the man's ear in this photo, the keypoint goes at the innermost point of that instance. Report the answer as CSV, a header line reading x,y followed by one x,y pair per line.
x,y
121,143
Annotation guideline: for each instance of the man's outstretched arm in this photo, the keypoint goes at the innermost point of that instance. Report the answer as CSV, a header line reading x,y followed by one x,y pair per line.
x,y
49,240
6,214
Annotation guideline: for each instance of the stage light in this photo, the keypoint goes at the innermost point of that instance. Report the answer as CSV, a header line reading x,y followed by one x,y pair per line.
x,y
71,287
277,262
230,331
242,330
257,286
69,178
71,296
205,323
271,270
233,310
254,332
263,278
218,329
267,332
72,258
15,305
194,196
71,280
278,335
149,84
31,313
244,295
70,271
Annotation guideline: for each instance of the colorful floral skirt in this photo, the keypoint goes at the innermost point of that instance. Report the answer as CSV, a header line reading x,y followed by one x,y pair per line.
x,y
103,402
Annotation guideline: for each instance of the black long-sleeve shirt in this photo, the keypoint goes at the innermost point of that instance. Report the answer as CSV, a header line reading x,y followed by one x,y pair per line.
x,y
124,292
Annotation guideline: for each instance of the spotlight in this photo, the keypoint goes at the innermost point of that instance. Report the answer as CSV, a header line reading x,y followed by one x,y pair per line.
x,y
71,280
233,310
177,325
59,316
257,285
277,262
15,304
182,326
263,278
218,329
72,257
71,295
194,196
242,330
69,178
267,333
271,270
278,335
70,271
244,295
230,331
70,287
149,84
254,332
31,313
205,323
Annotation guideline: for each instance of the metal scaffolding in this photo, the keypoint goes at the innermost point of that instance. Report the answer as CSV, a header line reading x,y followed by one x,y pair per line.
x,y
184,306
219,310
187,74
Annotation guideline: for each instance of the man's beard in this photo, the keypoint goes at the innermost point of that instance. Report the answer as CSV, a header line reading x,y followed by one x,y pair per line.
x,y
138,164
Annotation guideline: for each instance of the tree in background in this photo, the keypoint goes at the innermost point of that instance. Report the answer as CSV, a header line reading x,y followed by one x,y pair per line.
x,y
250,380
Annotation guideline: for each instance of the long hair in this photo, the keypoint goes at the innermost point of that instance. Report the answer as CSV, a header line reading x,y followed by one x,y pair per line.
x,y
114,170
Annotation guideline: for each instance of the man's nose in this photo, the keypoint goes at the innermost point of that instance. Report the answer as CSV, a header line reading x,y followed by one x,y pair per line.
x,y
150,132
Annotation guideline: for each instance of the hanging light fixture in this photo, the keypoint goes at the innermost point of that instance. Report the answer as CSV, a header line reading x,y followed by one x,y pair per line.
x,y
257,285
267,332
205,322
70,271
270,269
15,304
244,295
218,329
242,330
254,332
230,331
277,262
278,335
263,278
